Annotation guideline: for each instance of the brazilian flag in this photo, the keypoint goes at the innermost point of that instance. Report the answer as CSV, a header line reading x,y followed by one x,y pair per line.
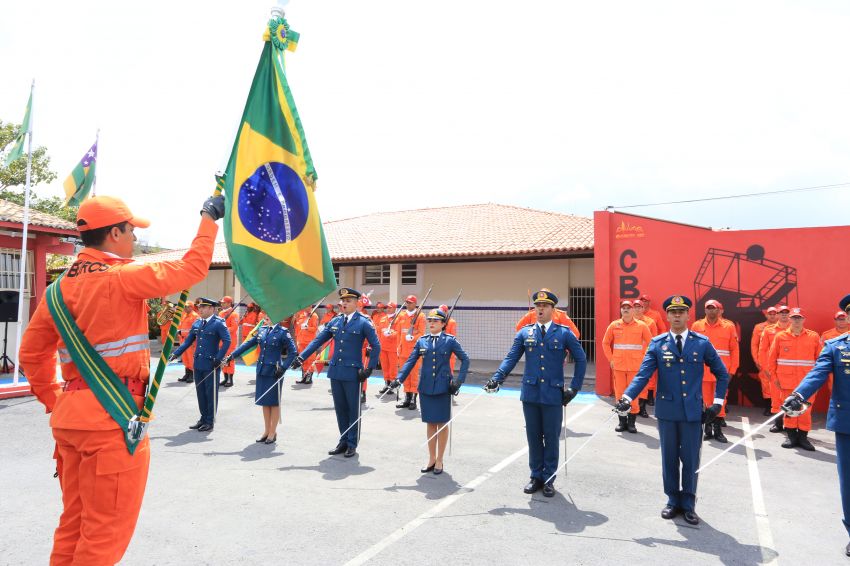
x,y
272,227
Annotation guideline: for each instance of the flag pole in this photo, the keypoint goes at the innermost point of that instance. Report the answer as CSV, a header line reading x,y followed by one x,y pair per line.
x,y
22,263
94,180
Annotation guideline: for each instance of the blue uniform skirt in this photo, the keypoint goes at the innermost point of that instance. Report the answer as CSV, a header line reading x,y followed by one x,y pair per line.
x,y
435,408
272,398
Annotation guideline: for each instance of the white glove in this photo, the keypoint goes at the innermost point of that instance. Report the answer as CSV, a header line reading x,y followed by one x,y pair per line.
x,y
321,327
387,331
304,326
409,337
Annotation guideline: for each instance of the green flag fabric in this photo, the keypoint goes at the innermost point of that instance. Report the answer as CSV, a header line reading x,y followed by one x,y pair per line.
x,y
18,145
272,227
79,182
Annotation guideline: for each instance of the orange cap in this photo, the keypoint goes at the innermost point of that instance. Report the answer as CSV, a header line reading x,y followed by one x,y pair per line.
x,y
411,299
102,211
227,299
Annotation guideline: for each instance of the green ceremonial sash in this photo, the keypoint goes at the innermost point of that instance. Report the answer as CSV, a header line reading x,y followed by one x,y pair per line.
x,y
110,391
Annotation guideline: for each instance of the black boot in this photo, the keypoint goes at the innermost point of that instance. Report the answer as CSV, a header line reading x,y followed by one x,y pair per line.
x,y
191,377
384,389
185,377
793,438
229,380
621,426
803,441
412,405
709,432
630,424
718,433
650,400
642,406
308,378
766,411
223,381
406,403
777,425
722,421
362,396
303,378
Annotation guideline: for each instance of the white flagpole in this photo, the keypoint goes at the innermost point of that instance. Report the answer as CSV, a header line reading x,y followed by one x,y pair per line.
x,y
23,259
94,181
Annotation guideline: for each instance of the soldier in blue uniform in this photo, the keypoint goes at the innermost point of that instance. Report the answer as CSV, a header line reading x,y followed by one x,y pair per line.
x,y
680,357
213,341
277,351
349,330
835,359
545,345
436,383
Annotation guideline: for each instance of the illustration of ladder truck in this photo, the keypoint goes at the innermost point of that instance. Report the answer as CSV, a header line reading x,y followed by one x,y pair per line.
x,y
745,284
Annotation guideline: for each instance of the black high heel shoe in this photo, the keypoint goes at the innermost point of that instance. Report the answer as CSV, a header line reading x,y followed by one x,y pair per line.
x,y
263,439
428,469
271,440
437,471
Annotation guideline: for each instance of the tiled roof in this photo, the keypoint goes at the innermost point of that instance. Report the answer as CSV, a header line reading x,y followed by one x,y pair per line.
x,y
11,212
471,231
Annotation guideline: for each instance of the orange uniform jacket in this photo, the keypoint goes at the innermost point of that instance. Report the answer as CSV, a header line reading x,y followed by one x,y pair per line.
x,y
559,317
660,325
792,357
832,333
106,295
189,318
625,344
758,330
304,336
724,337
768,334
405,347
650,323
231,320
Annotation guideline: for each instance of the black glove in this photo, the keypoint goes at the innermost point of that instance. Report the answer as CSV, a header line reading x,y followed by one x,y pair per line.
x,y
395,384
297,362
454,387
364,374
794,405
217,362
226,360
491,386
569,395
172,357
278,371
711,413
623,407
214,206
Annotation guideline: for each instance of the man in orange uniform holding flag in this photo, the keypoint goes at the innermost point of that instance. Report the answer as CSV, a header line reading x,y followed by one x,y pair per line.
x,y
770,316
104,292
767,337
625,343
305,325
230,315
792,355
409,331
724,337
388,339
188,357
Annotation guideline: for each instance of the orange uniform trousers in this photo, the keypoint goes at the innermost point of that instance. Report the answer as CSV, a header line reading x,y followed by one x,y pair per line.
x,y
411,384
804,421
622,379
97,473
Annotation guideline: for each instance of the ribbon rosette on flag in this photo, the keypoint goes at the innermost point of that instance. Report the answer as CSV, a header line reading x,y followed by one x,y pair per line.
x,y
79,182
272,227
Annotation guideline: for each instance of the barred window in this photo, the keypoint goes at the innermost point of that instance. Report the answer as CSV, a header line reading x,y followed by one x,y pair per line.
x,y
376,275
408,274
336,274
10,270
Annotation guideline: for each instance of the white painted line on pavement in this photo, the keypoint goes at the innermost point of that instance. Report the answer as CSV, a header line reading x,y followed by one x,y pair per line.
x,y
762,523
393,537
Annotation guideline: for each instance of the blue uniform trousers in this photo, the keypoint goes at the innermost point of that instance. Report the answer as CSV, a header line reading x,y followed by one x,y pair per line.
x,y
680,442
206,388
543,429
346,395
842,451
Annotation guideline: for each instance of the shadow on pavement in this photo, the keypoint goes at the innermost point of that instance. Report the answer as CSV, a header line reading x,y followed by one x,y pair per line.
x,y
564,515
433,487
252,452
184,438
706,539
335,468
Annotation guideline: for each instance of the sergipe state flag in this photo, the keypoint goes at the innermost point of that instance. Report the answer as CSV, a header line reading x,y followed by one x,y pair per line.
x,y
79,182
272,227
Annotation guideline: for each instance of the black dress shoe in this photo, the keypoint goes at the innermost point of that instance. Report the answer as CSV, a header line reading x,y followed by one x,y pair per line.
x,y
548,490
691,517
196,426
669,512
205,428
261,439
350,451
428,469
532,486
340,448
308,379
847,550
271,440
438,471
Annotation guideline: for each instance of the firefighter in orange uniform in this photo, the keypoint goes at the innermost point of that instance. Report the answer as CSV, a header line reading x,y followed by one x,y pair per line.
x,y
770,316
230,316
841,328
363,305
250,320
792,355
724,337
766,341
558,317
105,292
329,315
625,343
380,308
451,329
188,358
305,326
660,323
647,396
406,342
388,339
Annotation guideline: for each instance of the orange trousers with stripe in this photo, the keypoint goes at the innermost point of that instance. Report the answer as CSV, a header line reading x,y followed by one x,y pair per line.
x,y
102,491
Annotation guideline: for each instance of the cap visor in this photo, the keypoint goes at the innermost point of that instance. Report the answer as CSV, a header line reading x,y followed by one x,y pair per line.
x,y
139,222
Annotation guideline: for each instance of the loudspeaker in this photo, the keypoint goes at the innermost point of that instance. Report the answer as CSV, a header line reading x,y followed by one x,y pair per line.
x,y
8,306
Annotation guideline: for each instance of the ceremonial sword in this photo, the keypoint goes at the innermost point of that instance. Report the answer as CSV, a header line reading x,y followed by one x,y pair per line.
x,y
362,414
579,449
451,419
741,440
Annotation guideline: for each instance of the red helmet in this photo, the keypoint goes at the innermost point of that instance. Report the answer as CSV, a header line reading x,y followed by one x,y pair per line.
x,y
411,299
444,308
227,299
392,305
365,302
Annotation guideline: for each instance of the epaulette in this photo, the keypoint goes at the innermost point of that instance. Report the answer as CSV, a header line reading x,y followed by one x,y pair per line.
x,y
447,335
697,334
561,325
660,337
844,337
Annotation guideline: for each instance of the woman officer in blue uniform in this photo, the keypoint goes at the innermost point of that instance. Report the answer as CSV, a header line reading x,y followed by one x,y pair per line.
x,y
277,350
436,383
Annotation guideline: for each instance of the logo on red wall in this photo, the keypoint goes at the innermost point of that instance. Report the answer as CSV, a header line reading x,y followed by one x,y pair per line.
x,y
628,230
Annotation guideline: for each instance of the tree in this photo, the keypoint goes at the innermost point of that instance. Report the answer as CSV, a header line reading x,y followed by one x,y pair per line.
x,y
13,178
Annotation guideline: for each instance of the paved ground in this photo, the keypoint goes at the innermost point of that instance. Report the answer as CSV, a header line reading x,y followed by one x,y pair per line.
x,y
219,498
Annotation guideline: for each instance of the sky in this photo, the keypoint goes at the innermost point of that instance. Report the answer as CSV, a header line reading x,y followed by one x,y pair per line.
x,y
565,106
